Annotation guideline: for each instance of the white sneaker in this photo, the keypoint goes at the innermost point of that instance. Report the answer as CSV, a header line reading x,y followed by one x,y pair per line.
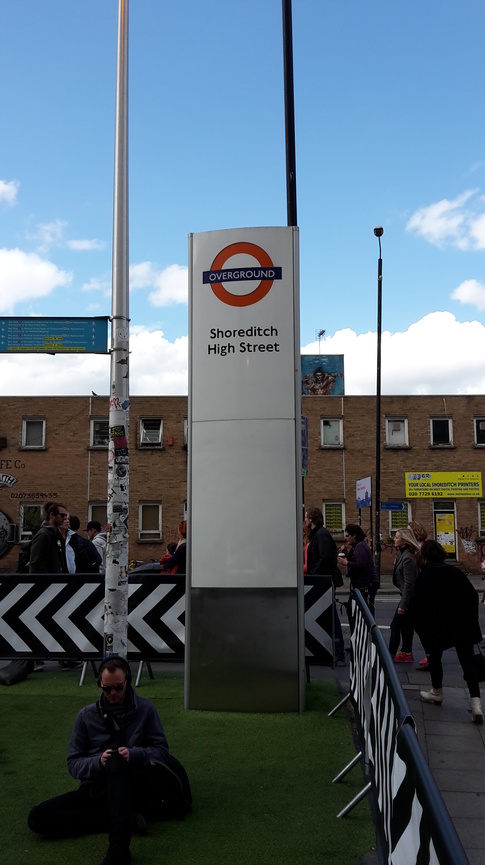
x,y
477,712
433,696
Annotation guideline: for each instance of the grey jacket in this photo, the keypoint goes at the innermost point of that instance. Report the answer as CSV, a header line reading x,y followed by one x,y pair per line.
x,y
404,575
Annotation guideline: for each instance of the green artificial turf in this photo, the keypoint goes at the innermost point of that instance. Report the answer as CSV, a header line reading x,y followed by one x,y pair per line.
x,y
261,783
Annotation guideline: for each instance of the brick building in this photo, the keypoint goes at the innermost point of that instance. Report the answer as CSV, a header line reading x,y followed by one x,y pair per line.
x,y
55,448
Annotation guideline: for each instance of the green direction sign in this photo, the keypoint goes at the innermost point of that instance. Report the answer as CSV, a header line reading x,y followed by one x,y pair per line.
x,y
54,335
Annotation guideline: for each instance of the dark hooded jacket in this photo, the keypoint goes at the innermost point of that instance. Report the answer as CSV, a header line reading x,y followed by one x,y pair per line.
x,y
47,555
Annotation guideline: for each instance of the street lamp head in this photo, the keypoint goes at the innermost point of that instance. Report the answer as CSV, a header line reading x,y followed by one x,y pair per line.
x,y
378,231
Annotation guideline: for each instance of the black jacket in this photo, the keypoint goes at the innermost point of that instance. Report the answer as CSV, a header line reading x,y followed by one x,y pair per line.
x,y
322,555
47,555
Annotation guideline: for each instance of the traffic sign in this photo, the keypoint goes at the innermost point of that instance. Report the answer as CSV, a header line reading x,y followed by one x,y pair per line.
x,y
54,335
392,506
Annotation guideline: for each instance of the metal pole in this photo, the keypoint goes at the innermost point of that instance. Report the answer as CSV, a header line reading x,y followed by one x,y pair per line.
x,y
116,588
289,114
377,541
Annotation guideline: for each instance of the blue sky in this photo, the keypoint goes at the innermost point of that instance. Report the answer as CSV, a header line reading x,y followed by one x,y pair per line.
x,y
389,131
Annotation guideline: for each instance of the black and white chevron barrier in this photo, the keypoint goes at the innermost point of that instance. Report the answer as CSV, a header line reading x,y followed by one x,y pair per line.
x,y
58,617
413,825
61,617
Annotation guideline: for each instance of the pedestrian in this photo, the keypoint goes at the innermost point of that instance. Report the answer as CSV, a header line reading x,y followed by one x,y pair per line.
x,y
179,558
445,610
119,753
47,553
87,557
420,534
404,577
357,558
98,538
322,561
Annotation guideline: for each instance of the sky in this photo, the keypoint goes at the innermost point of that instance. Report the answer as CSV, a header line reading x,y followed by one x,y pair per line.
x,y
390,131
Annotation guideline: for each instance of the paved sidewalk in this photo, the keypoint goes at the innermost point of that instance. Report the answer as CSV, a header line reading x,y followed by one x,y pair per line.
x,y
453,745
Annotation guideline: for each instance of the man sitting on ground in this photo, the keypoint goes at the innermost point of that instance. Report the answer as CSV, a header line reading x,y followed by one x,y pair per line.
x,y
119,753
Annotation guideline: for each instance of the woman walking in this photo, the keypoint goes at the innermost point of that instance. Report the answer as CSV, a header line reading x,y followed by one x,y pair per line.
x,y
446,615
404,577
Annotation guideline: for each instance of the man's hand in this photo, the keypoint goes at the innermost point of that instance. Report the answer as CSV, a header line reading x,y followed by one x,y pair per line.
x,y
123,752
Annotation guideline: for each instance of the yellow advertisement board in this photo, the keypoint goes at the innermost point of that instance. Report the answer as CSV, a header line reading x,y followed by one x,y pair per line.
x,y
443,485
445,532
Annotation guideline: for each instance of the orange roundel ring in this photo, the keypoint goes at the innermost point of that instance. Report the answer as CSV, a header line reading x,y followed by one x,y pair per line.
x,y
241,299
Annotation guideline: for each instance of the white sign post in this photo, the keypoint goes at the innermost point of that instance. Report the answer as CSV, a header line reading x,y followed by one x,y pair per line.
x,y
245,588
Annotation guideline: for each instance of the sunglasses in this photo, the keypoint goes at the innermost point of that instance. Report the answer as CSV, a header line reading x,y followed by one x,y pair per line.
x,y
108,688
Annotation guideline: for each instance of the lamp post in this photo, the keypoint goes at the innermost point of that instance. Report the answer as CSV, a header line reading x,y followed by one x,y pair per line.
x,y
378,231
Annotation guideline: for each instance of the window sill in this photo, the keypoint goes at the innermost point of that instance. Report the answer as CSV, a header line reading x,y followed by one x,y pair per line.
x,y
33,448
150,448
150,540
331,447
441,447
98,448
397,447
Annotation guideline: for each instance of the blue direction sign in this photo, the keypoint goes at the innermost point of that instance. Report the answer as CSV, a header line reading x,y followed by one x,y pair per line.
x,y
54,335
392,506
304,445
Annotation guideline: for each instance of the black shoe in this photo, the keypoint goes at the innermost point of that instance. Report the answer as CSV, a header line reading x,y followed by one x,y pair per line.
x,y
117,854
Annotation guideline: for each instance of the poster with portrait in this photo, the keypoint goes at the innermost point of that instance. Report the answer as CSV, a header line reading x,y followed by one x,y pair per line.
x,y
322,375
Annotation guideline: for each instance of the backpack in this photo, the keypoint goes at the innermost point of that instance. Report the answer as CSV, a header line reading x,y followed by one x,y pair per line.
x,y
173,797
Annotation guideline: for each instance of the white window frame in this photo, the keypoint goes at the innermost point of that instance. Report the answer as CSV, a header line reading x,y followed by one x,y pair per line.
x,y
390,422
399,519
98,511
476,421
93,421
481,519
27,534
25,422
449,443
149,534
144,441
334,420
337,534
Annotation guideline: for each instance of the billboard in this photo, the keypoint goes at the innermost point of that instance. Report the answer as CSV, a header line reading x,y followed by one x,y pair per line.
x,y
443,485
322,375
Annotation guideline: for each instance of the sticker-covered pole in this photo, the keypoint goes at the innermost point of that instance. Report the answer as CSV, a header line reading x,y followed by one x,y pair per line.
x,y
116,588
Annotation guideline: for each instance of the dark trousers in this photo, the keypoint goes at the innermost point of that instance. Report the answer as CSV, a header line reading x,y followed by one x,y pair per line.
x,y
465,656
103,806
402,631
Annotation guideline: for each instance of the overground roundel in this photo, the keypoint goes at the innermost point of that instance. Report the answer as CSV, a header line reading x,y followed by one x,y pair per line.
x,y
242,299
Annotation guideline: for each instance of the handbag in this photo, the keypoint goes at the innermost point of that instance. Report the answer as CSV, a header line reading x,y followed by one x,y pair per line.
x,y
479,661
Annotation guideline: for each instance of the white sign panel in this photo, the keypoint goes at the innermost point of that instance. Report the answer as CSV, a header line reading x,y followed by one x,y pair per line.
x,y
244,404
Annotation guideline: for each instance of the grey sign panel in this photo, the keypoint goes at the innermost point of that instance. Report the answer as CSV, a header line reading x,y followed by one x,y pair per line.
x,y
56,335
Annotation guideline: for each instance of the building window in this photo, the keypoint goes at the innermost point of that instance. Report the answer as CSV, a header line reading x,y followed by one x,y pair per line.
x,y
31,517
98,511
480,431
481,519
33,433
334,518
99,432
149,521
397,432
151,432
399,519
441,432
331,432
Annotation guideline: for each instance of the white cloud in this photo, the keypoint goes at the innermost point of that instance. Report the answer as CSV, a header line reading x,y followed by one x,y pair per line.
x,y
48,233
27,276
85,245
157,366
8,191
101,286
470,291
444,221
171,284
435,355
